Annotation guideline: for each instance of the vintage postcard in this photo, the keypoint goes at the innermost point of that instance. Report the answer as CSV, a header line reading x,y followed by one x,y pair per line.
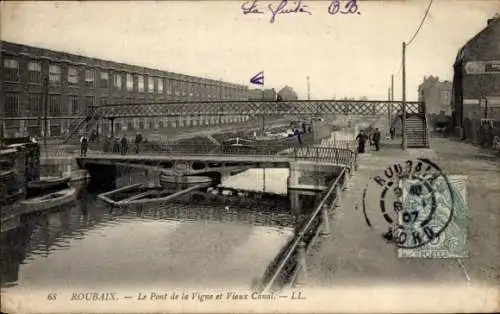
x,y
250,156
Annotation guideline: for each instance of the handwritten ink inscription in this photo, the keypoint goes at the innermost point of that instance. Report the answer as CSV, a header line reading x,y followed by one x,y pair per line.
x,y
251,8
284,8
351,7
298,7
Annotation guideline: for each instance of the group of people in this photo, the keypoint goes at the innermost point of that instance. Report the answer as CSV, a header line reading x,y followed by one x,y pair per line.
x,y
115,145
373,137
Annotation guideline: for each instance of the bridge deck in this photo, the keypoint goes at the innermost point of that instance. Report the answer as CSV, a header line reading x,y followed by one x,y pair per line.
x,y
276,160
190,157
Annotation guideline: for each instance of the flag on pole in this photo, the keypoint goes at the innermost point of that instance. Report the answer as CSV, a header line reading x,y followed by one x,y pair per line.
x,y
258,79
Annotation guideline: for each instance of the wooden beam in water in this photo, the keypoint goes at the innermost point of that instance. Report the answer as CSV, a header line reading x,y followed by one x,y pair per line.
x,y
122,189
162,199
137,196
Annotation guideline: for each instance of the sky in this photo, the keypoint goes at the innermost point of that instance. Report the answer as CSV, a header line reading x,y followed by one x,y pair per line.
x,y
345,55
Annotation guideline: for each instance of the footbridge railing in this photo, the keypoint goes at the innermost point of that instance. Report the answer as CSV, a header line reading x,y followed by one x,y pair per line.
x,y
340,156
291,267
252,108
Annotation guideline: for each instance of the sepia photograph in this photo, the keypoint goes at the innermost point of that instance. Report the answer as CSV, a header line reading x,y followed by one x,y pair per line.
x,y
256,156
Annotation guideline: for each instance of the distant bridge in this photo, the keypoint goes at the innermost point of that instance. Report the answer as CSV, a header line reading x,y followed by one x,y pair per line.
x,y
252,108
206,111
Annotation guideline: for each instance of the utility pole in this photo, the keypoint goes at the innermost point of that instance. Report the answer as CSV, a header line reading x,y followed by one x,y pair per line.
x,y
391,98
403,92
389,109
485,108
263,112
308,89
392,87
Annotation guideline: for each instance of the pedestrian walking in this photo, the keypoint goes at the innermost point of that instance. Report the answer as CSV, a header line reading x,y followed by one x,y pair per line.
x,y
138,140
124,145
93,136
361,138
116,145
108,141
84,142
376,139
392,131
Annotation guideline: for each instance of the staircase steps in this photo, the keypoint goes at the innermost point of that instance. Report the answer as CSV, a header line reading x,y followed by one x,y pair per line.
x,y
417,135
81,126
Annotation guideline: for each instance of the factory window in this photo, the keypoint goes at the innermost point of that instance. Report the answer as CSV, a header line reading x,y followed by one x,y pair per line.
x,y
74,105
89,101
118,81
151,84
177,88
130,83
34,72
160,85
34,105
104,80
445,97
54,74
11,70
169,87
140,83
55,105
12,105
90,78
72,76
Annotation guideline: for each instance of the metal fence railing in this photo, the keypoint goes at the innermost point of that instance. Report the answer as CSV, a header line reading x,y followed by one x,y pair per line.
x,y
340,156
291,265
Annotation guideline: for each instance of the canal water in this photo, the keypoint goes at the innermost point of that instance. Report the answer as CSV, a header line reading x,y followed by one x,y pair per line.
x,y
192,242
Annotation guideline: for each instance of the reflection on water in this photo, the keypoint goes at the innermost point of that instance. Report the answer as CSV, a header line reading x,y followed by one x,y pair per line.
x,y
199,238
262,180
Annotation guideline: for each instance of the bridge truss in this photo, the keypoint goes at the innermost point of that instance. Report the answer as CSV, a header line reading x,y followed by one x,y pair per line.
x,y
256,108
318,108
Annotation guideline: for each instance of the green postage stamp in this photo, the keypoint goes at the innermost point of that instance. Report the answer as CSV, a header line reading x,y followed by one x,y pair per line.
x,y
452,242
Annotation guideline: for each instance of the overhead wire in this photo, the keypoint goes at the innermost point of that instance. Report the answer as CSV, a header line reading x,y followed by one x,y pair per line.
x,y
415,34
421,23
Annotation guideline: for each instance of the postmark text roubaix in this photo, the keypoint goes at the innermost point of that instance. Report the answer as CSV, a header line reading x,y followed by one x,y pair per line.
x,y
415,199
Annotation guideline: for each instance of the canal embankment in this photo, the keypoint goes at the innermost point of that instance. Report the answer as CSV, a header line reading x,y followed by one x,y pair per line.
x,y
159,245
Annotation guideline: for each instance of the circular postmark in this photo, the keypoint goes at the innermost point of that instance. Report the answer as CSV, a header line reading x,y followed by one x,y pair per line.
x,y
409,198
